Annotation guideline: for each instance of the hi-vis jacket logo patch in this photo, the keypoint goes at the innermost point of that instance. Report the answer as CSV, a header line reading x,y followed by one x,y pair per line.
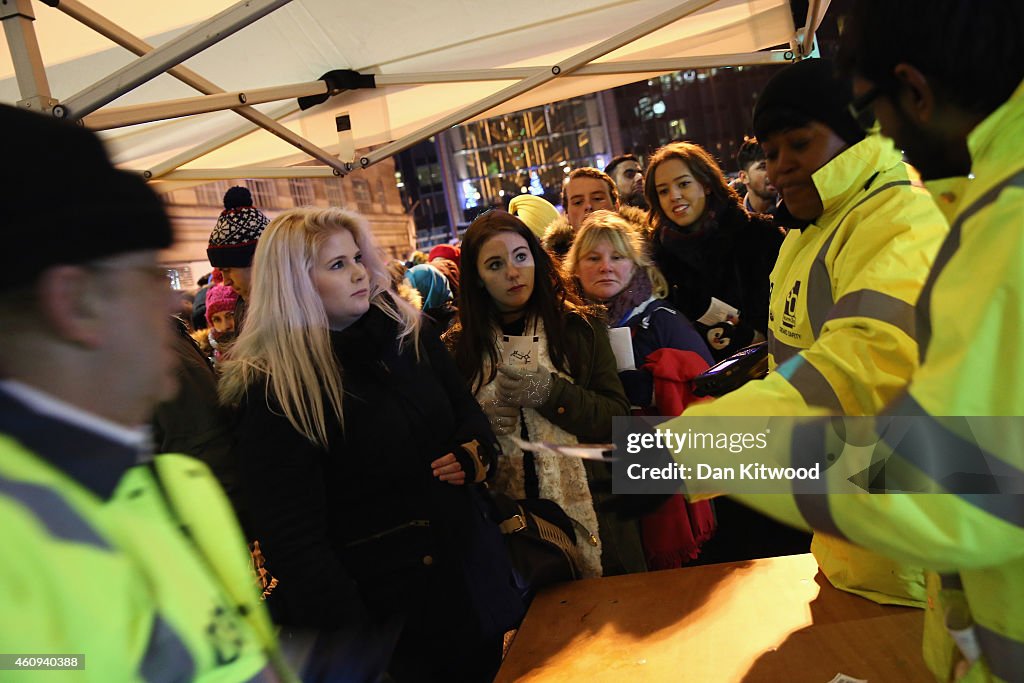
x,y
789,312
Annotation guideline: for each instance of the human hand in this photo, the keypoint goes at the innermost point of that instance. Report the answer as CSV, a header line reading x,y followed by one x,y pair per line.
x,y
448,468
503,418
523,387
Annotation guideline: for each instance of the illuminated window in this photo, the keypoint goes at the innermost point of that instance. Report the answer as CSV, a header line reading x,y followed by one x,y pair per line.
x,y
302,191
264,192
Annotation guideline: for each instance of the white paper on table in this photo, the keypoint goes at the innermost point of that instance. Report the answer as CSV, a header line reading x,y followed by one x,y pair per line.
x,y
718,312
622,345
521,352
585,451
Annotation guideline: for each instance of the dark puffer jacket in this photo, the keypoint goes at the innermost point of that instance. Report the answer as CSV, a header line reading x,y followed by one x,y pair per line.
x,y
363,529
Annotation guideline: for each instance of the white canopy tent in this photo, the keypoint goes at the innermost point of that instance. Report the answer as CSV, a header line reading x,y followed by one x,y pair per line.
x,y
402,70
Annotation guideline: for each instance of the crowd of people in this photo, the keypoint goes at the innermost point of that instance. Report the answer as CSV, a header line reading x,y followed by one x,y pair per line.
x,y
333,425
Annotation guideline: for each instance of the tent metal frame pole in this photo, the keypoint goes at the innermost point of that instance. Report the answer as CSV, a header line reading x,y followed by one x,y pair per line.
x,y
132,43
211,174
117,117
600,69
539,78
17,17
810,26
175,51
163,168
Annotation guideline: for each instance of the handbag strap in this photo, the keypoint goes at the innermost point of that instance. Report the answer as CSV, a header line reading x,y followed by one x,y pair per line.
x,y
531,483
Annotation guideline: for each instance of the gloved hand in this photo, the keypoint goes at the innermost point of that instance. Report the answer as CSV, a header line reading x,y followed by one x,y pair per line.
x,y
503,418
523,387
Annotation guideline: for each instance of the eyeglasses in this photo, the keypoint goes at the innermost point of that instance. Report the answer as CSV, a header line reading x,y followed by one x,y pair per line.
x,y
861,108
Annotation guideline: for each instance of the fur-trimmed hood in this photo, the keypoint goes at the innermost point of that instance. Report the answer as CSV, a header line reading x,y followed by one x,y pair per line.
x,y
558,238
559,235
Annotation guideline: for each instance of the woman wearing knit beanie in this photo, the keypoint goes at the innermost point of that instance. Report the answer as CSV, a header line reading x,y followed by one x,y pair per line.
x,y
221,301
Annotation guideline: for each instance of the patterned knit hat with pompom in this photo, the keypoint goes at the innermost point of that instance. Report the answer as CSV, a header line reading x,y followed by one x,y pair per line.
x,y
233,240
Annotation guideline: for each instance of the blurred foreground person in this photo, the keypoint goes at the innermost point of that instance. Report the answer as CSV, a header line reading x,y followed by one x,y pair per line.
x,y
133,562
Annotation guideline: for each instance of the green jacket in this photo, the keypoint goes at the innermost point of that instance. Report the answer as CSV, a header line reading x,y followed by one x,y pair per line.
x,y
140,568
585,408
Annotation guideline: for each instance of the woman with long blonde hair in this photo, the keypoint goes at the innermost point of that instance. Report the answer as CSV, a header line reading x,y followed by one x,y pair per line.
x,y
358,447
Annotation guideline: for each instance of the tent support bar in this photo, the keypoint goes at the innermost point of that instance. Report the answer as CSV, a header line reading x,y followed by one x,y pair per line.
x,y
116,117
17,17
538,78
204,148
809,26
599,69
132,43
211,174
172,53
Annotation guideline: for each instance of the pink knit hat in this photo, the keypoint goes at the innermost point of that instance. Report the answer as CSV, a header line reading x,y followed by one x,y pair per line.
x,y
219,298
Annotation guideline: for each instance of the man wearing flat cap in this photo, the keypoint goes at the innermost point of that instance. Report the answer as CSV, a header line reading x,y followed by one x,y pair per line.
x,y
841,315
120,565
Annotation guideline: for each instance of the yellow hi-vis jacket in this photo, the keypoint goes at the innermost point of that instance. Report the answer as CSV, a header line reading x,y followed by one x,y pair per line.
x,y
841,324
149,580
970,317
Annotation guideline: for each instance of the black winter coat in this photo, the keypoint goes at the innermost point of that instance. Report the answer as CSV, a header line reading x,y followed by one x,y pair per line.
x,y
730,258
363,528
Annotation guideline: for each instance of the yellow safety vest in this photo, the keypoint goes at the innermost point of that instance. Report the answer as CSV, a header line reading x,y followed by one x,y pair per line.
x,y
152,584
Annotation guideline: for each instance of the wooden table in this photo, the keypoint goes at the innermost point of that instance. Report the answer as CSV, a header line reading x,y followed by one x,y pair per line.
x,y
775,619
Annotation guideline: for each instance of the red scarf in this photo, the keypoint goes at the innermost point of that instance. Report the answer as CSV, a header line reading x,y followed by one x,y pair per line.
x,y
673,534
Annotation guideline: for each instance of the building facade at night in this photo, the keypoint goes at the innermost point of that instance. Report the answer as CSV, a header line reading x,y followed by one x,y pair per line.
x,y
372,192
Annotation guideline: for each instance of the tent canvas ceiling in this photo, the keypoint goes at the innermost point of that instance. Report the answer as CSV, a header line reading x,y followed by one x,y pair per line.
x,y
306,38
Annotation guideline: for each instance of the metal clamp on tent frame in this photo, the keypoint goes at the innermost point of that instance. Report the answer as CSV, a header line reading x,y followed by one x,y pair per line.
x,y
337,81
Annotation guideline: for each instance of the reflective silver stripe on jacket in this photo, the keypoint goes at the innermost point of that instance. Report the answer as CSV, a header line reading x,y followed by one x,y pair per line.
x,y
949,247
1004,655
958,465
780,350
812,385
869,303
167,660
806,445
53,512
819,282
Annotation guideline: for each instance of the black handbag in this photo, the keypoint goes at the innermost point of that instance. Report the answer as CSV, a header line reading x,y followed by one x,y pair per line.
x,y
541,541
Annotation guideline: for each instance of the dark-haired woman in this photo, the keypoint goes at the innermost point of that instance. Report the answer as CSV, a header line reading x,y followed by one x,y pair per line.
x,y
542,367
716,257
